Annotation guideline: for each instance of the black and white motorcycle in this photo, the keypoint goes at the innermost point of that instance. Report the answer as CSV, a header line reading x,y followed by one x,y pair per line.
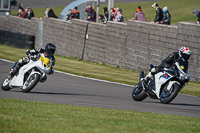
x,y
164,85
29,75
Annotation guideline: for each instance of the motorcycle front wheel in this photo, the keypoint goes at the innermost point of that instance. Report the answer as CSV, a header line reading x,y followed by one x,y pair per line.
x,y
30,83
138,93
168,95
5,85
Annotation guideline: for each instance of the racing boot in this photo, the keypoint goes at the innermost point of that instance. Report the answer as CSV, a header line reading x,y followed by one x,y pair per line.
x,y
14,70
146,79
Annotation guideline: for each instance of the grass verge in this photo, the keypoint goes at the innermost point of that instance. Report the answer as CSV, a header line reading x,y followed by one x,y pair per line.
x,y
26,116
181,10
91,69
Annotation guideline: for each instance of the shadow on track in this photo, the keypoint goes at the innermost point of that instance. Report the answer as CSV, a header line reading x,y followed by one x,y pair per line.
x,y
173,104
182,104
53,93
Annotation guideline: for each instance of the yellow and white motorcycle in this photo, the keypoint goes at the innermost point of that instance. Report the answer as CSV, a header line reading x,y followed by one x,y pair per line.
x,y
29,75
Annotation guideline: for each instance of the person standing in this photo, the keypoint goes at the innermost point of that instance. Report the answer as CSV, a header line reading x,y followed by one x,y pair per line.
x,y
50,13
106,13
139,15
76,13
69,15
167,16
119,17
20,13
196,12
159,13
91,15
112,11
29,13
102,19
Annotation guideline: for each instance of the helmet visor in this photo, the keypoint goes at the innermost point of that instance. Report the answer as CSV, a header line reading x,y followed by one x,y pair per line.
x,y
185,56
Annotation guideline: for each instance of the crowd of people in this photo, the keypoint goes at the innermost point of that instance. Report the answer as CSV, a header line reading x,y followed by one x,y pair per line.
x,y
27,13
162,14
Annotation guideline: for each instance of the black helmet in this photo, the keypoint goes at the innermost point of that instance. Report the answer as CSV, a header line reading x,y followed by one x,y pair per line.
x,y
50,48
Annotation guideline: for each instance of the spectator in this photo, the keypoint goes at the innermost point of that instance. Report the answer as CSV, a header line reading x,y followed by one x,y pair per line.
x,y
46,12
121,11
86,10
29,13
26,10
76,13
20,13
70,15
197,14
106,13
91,15
167,16
139,15
50,13
159,13
102,18
119,17
112,14
116,11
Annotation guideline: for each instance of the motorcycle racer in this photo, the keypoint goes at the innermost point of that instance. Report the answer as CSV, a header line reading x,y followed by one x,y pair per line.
x,y
179,59
48,52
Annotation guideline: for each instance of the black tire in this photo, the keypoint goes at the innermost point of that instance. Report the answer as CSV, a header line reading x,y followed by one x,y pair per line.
x,y
34,80
5,85
167,96
138,93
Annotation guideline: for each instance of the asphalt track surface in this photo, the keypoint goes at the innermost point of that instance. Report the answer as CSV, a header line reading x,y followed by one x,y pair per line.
x,y
57,3
72,90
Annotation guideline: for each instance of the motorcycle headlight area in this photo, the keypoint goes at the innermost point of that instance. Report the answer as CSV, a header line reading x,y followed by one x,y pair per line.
x,y
184,78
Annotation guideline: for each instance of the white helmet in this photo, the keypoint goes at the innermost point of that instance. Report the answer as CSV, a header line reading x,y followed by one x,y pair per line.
x,y
184,53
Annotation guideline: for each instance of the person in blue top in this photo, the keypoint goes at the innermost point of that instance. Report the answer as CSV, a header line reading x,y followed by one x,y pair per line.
x,y
167,16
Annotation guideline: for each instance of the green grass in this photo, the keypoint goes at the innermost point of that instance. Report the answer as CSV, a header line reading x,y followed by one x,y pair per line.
x,y
26,116
91,69
181,10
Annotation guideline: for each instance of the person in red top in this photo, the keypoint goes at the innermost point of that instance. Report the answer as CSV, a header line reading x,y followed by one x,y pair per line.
x,y
76,13
112,10
23,13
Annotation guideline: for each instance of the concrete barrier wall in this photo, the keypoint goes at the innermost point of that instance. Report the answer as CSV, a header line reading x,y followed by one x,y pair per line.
x,y
69,37
132,45
189,35
20,25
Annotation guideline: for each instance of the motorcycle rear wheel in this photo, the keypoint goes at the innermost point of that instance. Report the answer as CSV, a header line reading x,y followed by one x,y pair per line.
x,y
168,95
31,83
138,93
5,85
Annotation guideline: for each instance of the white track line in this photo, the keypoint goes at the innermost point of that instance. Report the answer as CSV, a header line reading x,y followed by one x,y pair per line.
x,y
73,75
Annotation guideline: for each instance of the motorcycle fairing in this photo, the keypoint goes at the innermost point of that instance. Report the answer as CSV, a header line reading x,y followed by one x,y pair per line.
x,y
160,79
18,79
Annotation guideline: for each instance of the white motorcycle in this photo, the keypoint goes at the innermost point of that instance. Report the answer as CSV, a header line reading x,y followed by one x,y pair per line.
x,y
29,75
164,85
